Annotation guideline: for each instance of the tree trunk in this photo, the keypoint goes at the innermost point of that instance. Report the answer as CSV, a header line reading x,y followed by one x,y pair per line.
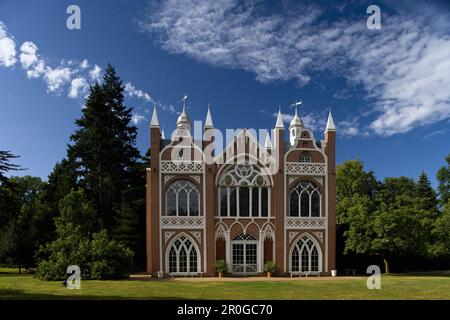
x,y
386,264
20,269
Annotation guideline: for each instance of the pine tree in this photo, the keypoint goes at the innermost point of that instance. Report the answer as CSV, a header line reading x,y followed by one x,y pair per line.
x,y
427,194
105,157
443,177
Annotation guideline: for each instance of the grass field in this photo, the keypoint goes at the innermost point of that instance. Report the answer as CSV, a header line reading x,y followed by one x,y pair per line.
x,y
25,286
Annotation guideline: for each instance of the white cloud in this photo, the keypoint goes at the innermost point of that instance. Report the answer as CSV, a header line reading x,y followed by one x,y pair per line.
x,y
84,64
137,118
404,67
28,55
7,48
95,73
132,92
56,78
78,87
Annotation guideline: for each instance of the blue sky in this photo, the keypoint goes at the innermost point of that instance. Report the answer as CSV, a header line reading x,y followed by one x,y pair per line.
x,y
389,89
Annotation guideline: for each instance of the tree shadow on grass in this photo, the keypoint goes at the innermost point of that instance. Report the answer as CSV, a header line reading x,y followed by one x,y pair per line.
x,y
444,274
18,294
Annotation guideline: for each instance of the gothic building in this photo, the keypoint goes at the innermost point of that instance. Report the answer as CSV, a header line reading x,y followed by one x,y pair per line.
x,y
248,204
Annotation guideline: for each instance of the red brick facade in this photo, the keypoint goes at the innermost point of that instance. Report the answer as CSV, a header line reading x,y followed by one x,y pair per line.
x,y
268,226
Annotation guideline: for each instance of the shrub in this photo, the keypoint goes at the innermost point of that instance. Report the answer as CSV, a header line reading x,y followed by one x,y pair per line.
x,y
270,266
221,266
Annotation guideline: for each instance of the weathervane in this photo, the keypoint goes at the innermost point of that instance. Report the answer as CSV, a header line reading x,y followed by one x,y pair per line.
x,y
296,105
184,101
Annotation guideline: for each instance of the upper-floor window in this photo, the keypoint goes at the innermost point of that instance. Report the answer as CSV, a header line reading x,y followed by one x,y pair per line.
x,y
182,199
244,192
305,200
305,157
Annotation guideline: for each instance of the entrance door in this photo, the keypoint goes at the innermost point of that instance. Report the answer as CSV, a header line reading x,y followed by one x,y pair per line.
x,y
244,254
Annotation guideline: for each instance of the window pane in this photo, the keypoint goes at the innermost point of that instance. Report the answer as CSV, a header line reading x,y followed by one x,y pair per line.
x,y
171,205
304,210
182,203
193,260
183,260
314,259
244,199
233,209
315,205
264,202
193,203
223,202
293,204
255,202
172,260
305,260
295,260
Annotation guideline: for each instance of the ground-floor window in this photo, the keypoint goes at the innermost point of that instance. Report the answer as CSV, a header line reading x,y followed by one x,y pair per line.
x,y
305,256
183,256
244,254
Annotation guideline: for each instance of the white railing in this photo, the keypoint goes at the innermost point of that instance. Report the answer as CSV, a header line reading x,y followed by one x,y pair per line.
x,y
311,169
168,166
306,223
181,222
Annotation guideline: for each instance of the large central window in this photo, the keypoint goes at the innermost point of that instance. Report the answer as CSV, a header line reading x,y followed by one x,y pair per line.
x,y
244,192
305,200
182,199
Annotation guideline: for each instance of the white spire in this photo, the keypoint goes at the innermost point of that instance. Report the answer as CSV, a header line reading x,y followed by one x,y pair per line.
x,y
163,136
154,123
279,124
330,123
208,121
268,143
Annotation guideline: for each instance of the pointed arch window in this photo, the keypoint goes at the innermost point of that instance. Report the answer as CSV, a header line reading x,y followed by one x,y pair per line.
x,y
305,256
305,157
182,199
305,200
183,256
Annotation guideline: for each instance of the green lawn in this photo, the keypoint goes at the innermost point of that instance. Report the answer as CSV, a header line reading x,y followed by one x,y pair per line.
x,y
25,286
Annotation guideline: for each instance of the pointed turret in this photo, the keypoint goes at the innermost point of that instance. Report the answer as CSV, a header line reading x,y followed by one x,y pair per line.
x,y
208,121
295,128
279,124
330,123
154,123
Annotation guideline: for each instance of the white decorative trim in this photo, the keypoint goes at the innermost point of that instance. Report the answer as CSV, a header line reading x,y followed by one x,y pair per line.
x,y
168,166
306,223
292,235
306,168
167,178
220,232
167,235
319,236
292,179
197,235
268,232
181,222
196,178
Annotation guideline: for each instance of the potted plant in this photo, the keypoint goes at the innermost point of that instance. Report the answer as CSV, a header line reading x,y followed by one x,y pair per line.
x,y
270,267
221,267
